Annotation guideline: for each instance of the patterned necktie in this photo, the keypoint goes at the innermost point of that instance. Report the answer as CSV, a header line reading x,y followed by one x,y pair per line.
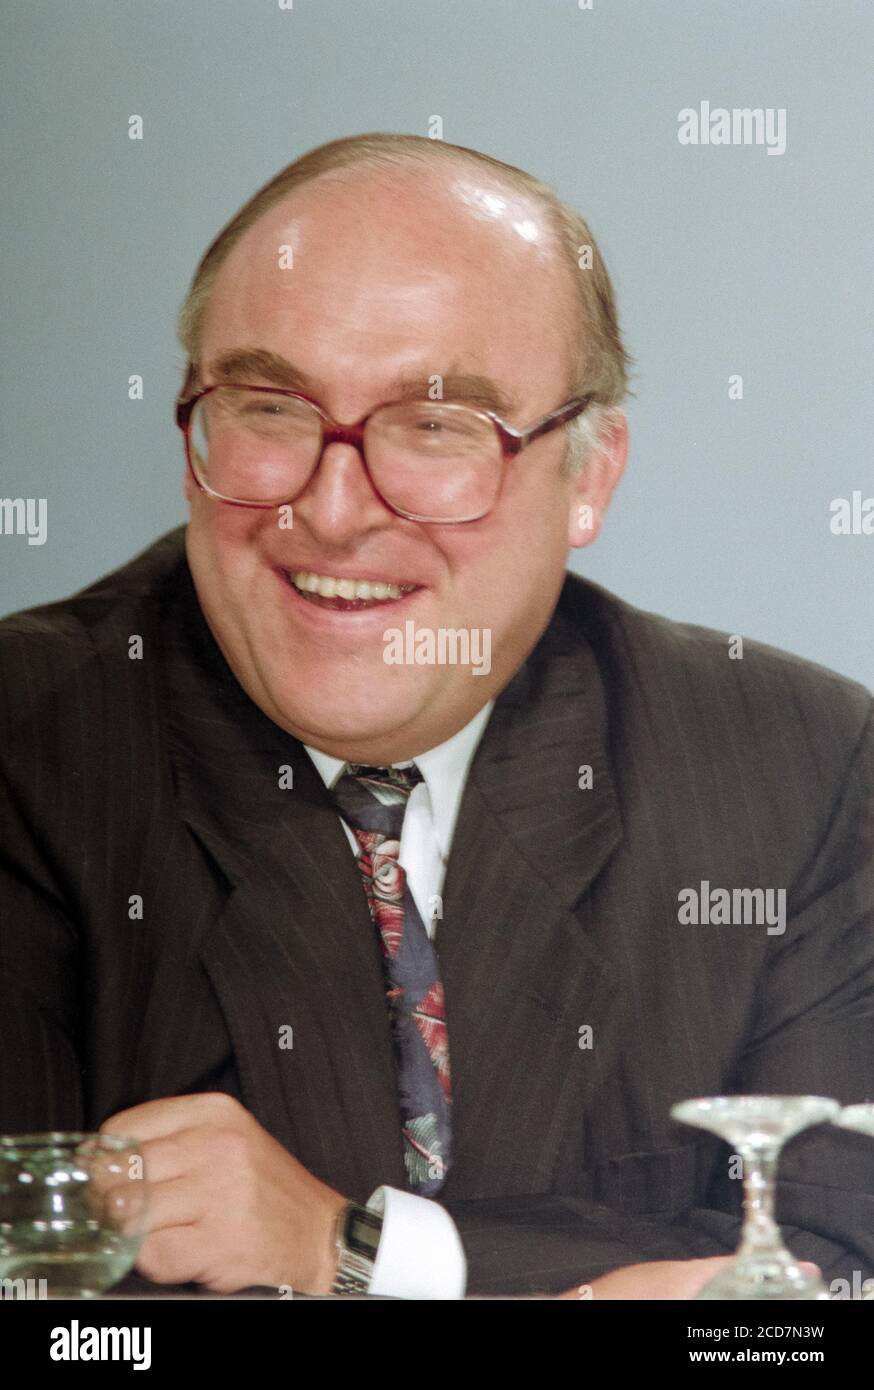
x,y
373,801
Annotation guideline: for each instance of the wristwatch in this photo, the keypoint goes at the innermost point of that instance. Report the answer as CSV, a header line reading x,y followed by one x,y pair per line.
x,y
357,1239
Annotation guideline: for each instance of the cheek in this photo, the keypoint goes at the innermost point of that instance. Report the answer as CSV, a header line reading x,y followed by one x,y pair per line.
x,y
223,553
516,551
228,534
507,583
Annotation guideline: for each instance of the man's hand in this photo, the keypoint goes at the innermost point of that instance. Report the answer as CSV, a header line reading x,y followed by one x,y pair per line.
x,y
655,1279
658,1279
229,1206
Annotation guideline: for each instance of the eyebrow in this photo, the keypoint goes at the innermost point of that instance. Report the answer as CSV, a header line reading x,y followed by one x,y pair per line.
x,y
255,365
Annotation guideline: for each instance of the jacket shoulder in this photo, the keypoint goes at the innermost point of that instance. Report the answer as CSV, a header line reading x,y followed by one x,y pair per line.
x,y
719,674
50,653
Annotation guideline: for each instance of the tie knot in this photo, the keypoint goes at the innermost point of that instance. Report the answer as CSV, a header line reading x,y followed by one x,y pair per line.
x,y
386,784
375,798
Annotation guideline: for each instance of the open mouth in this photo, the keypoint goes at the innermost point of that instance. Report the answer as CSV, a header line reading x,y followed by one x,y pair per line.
x,y
345,595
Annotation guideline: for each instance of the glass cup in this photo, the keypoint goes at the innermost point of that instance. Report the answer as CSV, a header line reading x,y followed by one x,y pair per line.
x,y
757,1127
72,1211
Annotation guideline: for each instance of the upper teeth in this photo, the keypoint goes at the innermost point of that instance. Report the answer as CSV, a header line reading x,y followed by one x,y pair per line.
x,y
327,587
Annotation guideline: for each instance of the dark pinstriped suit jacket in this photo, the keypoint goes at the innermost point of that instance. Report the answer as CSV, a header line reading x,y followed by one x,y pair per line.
x,y
158,777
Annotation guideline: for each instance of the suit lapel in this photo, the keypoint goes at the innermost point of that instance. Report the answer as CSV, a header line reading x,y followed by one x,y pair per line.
x,y
521,971
293,947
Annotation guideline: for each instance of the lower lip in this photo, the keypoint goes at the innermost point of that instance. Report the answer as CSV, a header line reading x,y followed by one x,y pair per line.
x,y
374,614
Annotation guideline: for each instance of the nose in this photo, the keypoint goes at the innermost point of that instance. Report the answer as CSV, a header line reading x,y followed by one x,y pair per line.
x,y
339,503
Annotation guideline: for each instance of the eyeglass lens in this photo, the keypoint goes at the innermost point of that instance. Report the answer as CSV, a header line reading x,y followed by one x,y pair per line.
x,y
428,459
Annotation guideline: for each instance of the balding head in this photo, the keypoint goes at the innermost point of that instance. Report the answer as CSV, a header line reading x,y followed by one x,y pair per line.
x,y
356,284
600,362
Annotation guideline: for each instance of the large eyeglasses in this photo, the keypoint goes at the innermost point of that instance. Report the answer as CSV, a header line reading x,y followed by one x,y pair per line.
x,y
258,446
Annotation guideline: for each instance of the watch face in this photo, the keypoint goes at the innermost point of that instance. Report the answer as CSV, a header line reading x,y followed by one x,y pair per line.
x,y
357,1241
362,1231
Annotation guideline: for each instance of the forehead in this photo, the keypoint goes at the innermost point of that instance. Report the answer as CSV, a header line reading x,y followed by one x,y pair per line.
x,y
369,270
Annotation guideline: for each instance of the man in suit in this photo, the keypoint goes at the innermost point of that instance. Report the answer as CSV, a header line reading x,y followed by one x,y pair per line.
x,y
386,961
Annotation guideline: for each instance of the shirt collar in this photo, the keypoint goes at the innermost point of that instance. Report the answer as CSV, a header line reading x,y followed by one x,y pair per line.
x,y
444,770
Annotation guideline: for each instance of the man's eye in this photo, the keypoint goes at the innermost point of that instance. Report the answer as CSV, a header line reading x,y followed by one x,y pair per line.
x,y
437,427
270,410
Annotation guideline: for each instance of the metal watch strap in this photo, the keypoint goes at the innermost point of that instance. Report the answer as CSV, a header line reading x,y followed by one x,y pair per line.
x,y
357,1239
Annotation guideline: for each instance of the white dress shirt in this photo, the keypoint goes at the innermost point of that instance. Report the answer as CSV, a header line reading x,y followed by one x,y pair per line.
x,y
420,1254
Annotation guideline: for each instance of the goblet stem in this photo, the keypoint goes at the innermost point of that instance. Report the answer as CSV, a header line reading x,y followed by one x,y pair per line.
x,y
757,1127
760,1234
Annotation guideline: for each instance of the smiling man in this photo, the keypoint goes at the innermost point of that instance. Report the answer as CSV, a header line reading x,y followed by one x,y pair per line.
x,y
450,283
380,961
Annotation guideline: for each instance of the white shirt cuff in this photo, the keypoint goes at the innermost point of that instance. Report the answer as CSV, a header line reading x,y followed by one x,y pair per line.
x,y
420,1254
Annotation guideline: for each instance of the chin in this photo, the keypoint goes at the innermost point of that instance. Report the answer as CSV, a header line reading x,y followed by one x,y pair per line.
x,y
329,712
341,736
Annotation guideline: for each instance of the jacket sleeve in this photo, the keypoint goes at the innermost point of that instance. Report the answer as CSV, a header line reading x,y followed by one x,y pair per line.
x,y
813,1034
40,1074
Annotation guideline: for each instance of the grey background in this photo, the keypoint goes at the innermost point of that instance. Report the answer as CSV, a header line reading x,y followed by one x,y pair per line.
x,y
724,259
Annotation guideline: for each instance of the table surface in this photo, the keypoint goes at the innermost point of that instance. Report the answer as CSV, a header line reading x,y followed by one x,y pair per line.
x,y
135,1287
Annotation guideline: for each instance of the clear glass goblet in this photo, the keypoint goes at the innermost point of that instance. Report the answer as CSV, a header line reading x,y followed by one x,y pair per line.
x,y
757,1127
72,1212
860,1118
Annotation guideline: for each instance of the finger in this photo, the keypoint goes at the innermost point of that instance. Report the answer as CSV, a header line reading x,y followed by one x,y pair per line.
x,y
137,1210
179,1157
156,1118
107,1168
177,1202
171,1256
172,1155
185,1153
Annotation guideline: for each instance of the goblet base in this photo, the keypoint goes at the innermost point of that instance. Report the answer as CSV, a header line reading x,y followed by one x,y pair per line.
x,y
764,1278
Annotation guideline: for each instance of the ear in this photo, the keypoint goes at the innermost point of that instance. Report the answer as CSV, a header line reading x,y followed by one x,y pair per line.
x,y
594,485
189,386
